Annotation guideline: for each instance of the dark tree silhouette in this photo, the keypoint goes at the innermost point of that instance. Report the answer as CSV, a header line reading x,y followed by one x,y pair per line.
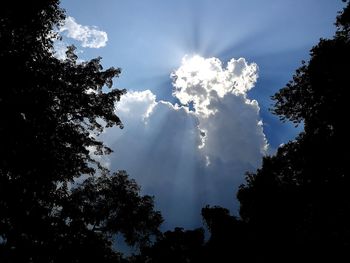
x,y
51,113
112,204
298,203
230,240
178,246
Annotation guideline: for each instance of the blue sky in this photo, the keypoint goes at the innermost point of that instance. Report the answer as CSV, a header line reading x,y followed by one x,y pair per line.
x,y
160,145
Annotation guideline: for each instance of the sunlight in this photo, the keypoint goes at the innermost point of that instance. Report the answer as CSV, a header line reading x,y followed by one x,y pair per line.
x,y
201,81
194,63
198,67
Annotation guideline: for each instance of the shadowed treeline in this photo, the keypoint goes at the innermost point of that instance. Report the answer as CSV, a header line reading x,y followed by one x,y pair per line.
x,y
51,111
296,207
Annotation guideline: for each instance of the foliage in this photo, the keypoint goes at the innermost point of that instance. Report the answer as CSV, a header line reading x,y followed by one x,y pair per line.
x,y
298,202
112,204
51,114
175,247
230,238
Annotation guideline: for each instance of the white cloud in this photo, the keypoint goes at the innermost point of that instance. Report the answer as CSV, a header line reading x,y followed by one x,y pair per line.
x,y
229,120
59,50
201,80
89,36
188,159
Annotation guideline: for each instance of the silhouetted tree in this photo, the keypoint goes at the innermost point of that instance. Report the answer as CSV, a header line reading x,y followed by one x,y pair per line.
x,y
178,246
51,112
112,204
230,238
298,203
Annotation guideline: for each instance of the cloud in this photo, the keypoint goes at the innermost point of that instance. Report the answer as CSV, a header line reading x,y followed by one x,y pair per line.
x,y
188,158
227,118
59,50
201,80
90,37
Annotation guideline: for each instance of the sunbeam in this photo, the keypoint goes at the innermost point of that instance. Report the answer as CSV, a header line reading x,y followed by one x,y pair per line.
x,y
149,39
132,126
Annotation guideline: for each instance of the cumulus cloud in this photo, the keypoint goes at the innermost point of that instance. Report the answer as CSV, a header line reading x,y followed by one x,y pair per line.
x,y
201,80
229,121
89,36
188,158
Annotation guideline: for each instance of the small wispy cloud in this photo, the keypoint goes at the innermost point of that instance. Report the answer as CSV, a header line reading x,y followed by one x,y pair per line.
x,y
59,50
89,36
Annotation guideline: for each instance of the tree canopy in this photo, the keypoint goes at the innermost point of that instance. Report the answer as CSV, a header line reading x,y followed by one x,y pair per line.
x,y
298,201
52,112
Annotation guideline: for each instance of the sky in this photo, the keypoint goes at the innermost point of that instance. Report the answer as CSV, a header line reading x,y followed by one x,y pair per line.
x,y
199,76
